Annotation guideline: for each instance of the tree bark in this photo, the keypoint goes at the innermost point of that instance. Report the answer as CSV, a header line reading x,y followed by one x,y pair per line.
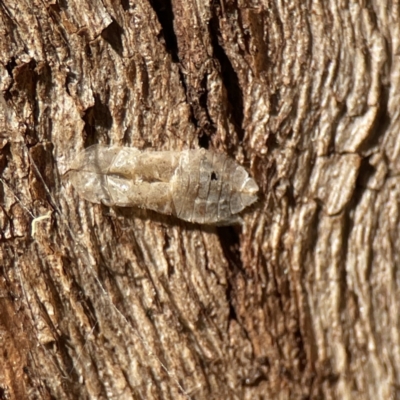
x,y
301,302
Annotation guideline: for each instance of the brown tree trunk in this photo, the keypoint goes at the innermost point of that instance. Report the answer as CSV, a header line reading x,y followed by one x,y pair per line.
x,y
299,303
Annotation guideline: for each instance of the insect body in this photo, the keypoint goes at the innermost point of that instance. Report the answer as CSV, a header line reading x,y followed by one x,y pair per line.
x,y
195,185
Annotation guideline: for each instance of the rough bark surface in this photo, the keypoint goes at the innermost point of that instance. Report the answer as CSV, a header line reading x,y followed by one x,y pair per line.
x,y
302,301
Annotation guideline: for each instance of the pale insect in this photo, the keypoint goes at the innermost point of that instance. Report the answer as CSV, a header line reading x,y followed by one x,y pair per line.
x,y
195,185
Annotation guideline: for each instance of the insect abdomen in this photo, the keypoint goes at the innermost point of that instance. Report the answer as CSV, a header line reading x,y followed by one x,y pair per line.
x,y
211,188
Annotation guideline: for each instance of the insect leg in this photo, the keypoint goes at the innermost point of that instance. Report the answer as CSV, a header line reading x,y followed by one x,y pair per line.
x,y
91,186
149,166
96,158
127,193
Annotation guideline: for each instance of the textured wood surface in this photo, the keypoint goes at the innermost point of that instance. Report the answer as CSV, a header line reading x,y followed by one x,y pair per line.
x,y
303,301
